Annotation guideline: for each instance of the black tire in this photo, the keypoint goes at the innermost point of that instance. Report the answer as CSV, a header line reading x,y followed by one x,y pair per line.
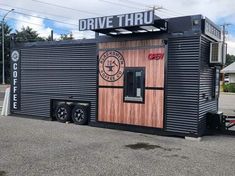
x,y
80,115
63,113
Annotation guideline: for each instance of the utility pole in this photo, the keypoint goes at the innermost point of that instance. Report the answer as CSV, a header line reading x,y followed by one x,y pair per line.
x,y
224,32
52,35
3,54
155,8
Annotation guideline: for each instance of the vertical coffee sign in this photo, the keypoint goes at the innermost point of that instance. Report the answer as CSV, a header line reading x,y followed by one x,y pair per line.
x,y
15,80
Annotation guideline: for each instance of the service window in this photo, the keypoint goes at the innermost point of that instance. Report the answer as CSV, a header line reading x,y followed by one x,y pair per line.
x,y
134,84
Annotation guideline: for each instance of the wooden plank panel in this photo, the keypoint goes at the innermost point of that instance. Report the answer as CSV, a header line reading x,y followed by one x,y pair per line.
x,y
128,44
139,58
113,109
111,105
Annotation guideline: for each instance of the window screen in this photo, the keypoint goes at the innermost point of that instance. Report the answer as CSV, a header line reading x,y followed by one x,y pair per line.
x,y
134,84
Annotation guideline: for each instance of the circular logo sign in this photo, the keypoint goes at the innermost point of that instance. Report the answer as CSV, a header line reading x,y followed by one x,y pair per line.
x,y
111,66
15,55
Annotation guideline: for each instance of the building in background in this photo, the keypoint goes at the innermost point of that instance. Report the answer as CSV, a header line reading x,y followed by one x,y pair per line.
x,y
229,72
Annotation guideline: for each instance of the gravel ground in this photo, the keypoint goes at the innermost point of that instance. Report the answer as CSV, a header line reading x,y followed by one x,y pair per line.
x,y
39,147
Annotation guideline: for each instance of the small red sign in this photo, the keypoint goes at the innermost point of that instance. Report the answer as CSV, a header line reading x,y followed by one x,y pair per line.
x,y
155,56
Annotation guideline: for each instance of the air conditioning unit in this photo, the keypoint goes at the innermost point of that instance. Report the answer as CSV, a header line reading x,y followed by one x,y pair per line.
x,y
216,53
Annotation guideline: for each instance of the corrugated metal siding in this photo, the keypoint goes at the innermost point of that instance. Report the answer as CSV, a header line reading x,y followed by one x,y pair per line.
x,y
57,72
182,85
206,86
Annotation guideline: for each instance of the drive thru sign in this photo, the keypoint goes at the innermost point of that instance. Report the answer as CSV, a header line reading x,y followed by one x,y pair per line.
x,y
117,21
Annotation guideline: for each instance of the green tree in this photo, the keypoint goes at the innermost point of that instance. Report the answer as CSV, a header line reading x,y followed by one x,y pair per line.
x,y
48,38
229,59
27,35
66,36
7,31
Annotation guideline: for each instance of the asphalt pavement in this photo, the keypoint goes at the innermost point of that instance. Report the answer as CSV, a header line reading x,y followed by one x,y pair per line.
x,y
39,147
227,103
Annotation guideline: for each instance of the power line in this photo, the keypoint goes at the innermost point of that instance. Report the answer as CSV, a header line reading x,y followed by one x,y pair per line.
x,y
40,17
27,22
172,11
128,6
119,4
140,4
64,7
167,14
163,13
22,21
40,12
159,9
133,3
163,10
155,7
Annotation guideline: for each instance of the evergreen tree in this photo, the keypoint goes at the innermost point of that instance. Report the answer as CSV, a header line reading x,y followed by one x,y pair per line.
x,y
7,31
27,35
229,59
66,36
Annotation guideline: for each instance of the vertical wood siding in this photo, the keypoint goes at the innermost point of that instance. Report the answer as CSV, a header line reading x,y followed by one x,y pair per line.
x,y
111,105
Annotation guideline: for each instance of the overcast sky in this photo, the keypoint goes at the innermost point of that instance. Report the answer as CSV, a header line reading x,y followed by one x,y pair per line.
x,y
62,16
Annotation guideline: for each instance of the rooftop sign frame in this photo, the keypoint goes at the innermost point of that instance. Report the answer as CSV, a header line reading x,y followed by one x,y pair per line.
x,y
211,29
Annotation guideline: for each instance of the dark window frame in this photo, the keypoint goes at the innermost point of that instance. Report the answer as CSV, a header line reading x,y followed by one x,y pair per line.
x,y
135,69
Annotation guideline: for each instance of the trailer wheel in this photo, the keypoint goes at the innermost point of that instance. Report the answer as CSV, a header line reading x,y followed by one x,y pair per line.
x,y
80,115
63,113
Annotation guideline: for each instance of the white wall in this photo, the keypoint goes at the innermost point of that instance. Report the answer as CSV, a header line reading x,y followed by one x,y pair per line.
x,y
231,77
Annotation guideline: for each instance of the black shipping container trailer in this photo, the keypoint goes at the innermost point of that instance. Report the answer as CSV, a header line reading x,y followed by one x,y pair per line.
x,y
149,75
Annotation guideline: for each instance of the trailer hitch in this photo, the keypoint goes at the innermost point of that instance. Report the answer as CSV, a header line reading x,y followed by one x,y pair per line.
x,y
228,122
217,122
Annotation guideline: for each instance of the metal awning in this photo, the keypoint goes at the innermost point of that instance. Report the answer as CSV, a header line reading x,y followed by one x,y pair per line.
x,y
139,22
159,25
